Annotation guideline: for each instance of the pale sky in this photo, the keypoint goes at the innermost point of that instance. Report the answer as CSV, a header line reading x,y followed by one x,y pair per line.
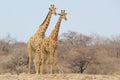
x,y
21,18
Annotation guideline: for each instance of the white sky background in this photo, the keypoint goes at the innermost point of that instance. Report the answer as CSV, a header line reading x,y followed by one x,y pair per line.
x,y
21,18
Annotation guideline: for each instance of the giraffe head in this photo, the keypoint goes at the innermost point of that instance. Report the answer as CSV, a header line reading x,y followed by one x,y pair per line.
x,y
63,14
53,9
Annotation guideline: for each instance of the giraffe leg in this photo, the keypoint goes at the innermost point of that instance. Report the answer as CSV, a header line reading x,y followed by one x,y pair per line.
x,y
29,49
55,62
46,64
55,56
51,63
42,62
37,62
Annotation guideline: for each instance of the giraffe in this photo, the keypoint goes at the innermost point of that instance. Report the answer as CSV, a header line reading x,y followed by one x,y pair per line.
x,y
39,35
49,47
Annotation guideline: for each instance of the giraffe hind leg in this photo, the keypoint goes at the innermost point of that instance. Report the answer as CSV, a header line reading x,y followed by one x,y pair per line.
x,y
29,57
51,64
47,63
42,62
37,63
55,61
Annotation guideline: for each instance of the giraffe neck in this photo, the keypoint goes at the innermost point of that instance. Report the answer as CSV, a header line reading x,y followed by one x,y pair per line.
x,y
47,19
43,27
54,34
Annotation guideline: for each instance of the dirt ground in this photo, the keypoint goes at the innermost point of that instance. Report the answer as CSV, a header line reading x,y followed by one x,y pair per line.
x,y
24,76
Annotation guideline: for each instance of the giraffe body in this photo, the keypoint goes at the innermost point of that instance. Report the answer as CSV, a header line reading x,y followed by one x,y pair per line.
x,y
49,47
37,38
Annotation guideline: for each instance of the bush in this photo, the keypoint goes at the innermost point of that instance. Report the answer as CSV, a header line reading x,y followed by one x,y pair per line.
x,y
16,64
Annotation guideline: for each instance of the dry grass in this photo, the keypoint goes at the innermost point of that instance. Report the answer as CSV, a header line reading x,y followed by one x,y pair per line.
x,y
24,76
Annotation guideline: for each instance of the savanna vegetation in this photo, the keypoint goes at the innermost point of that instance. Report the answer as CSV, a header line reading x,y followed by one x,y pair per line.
x,y
78,53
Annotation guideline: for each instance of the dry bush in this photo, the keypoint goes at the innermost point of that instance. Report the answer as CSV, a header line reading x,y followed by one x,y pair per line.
x,y
74,52
17,63
94,69
77,53
80,58
101,53
16,60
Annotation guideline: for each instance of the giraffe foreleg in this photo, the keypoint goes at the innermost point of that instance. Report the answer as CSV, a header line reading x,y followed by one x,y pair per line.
x,y
55,61
42,60
47,62
51,62
37,62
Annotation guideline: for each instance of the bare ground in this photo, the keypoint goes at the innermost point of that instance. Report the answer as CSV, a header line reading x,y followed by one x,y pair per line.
x,y
24,76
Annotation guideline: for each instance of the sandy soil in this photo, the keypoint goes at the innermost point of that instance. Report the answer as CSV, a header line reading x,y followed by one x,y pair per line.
x,y
24,76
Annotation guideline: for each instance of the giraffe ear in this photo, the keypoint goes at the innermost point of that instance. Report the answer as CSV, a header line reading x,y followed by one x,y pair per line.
x,y
66,19
49,9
